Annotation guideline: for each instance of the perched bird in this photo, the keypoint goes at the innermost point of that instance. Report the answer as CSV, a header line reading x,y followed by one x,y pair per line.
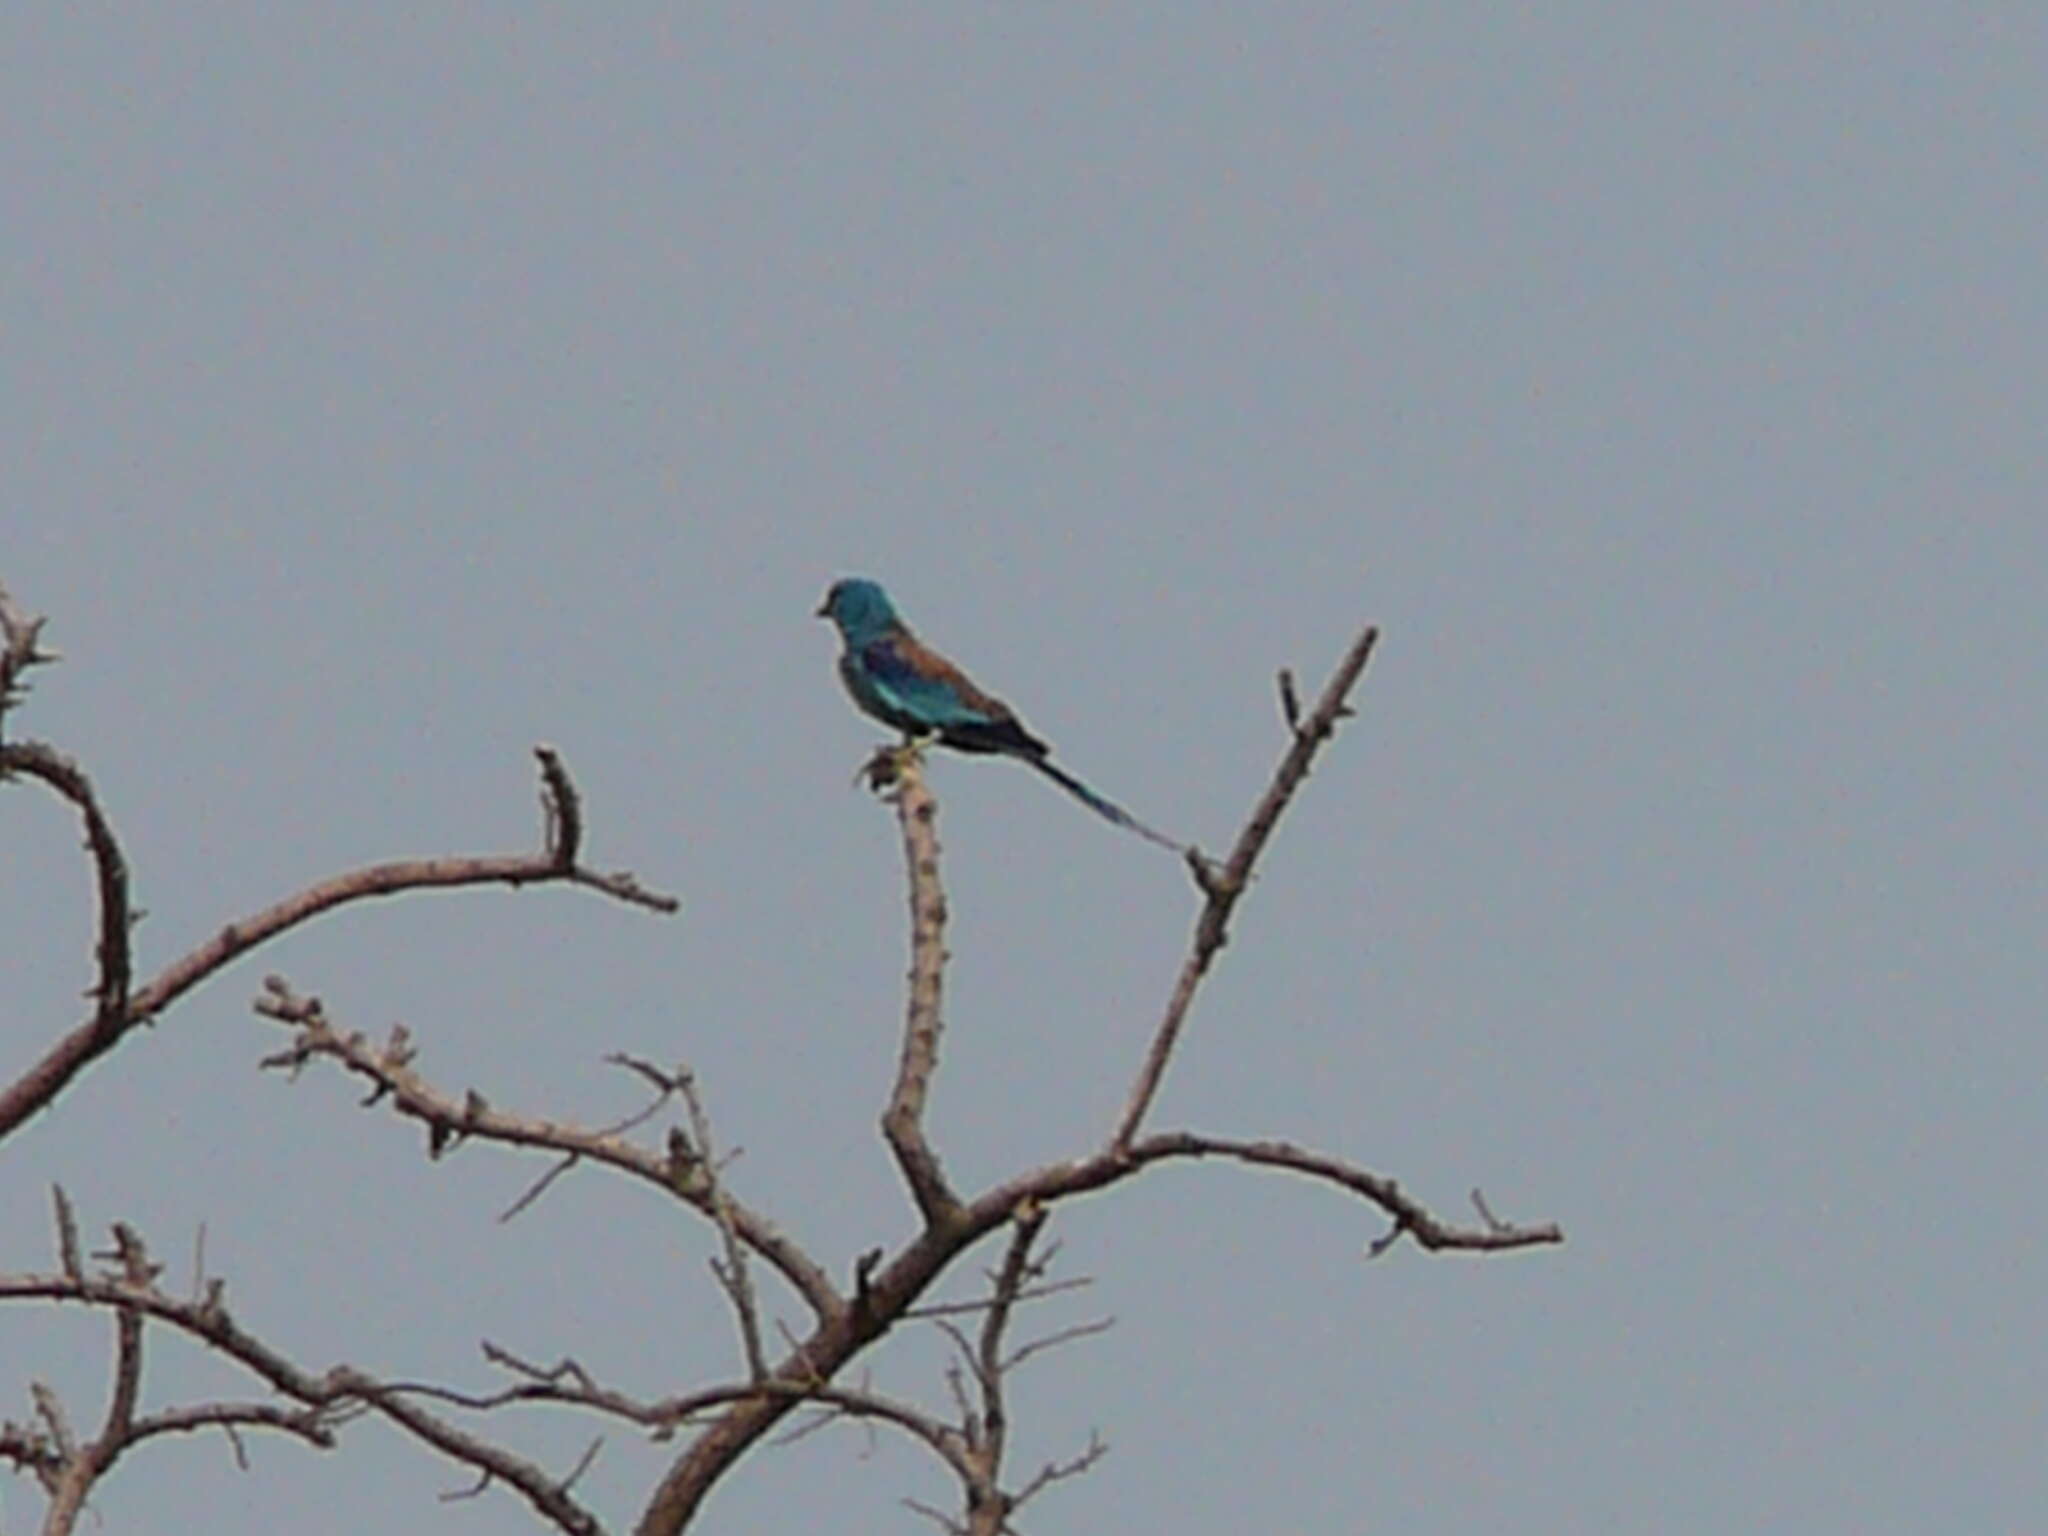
x,y
901,681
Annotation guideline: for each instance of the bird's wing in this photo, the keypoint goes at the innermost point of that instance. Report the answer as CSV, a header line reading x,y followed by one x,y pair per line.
x,y
918,682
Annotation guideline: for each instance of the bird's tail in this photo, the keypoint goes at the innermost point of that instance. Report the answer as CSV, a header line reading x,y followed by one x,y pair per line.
x,y
1109,810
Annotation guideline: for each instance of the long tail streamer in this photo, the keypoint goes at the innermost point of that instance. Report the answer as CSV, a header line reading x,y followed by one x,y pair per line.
x,y
1108,810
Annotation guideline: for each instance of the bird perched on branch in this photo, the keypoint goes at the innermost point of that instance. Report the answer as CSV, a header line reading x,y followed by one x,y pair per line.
x,y
900,681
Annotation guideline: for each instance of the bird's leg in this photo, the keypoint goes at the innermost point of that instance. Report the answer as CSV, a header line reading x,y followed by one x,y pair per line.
x,y
889,763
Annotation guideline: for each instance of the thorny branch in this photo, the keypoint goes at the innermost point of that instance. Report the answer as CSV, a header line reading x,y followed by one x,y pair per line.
x,y
903,1120
680,1170
1221,889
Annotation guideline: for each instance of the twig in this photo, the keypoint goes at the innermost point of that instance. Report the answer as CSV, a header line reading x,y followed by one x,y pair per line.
x,y
1290,701
1410,1217
982,1304
1055,1339
312,1425
938,1517
1058,1471
540,1185
738,1285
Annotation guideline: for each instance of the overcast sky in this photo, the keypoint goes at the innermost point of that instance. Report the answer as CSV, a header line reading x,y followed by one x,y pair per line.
x,y
386,388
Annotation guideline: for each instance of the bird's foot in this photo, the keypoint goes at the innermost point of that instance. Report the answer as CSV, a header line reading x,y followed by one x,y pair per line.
x,y
889,764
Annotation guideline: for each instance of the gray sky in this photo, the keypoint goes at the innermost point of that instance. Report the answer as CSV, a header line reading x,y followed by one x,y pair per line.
x,y
386,391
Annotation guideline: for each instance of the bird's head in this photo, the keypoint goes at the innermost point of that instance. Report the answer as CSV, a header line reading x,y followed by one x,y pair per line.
x,y
859,607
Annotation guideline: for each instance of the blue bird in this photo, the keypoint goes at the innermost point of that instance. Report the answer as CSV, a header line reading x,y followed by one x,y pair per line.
x,y
900,681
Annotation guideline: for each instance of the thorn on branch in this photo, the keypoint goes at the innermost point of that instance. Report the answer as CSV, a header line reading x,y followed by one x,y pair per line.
x,y
1290,701
863,1281
1387,1239
280,1002
133,1256
474,1490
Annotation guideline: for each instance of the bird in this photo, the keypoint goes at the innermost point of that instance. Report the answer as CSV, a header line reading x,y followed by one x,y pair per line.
x,y
897,679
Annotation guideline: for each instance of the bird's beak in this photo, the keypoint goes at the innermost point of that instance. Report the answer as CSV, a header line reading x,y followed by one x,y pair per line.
x,y
824,610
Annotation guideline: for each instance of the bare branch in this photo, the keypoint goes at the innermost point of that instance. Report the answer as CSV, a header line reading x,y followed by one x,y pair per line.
x,y
120,1422
315,1426
1408,1214
32,759
1017,1269
562,836
119,1011
1222,889
67,1234
903,1121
